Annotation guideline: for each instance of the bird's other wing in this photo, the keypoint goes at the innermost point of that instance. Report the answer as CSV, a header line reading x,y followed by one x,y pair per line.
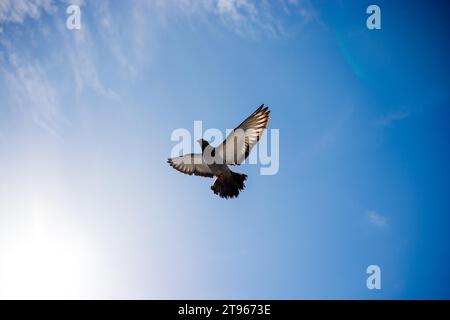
x,y
237,146
191,164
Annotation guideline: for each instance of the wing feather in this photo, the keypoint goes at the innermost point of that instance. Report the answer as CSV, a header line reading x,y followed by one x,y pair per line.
x,y
191,164
237,146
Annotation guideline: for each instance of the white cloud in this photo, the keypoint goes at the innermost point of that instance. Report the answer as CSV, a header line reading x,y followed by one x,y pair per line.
x,y
18,10
376,219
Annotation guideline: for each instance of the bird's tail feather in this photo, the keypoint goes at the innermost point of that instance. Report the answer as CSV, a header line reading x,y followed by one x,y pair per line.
x,y
229,187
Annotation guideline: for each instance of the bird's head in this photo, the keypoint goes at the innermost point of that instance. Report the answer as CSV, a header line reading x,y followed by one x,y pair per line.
x,y
203,143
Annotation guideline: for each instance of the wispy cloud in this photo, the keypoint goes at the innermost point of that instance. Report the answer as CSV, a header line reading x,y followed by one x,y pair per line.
x,y
262,17
18,10
388,119
108,29
244,17
33,80
376,219
31,91
32,85
248,17
81,53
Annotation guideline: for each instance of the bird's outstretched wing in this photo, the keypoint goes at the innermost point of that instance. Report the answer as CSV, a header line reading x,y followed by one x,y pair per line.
x,y
191,164
237,146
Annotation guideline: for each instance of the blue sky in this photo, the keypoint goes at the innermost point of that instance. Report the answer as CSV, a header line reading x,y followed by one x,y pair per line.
x,y
89,207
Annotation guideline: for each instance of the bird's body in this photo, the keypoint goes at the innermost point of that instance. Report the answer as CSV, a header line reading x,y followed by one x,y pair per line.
x,y
221,170
215,161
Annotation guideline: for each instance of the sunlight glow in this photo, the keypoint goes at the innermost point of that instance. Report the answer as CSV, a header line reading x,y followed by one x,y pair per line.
x,y
44,261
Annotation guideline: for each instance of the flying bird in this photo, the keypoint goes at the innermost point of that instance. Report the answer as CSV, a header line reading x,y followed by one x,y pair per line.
x,y
214,161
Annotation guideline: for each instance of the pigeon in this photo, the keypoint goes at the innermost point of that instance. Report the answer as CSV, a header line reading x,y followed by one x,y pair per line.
x,y
215,161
